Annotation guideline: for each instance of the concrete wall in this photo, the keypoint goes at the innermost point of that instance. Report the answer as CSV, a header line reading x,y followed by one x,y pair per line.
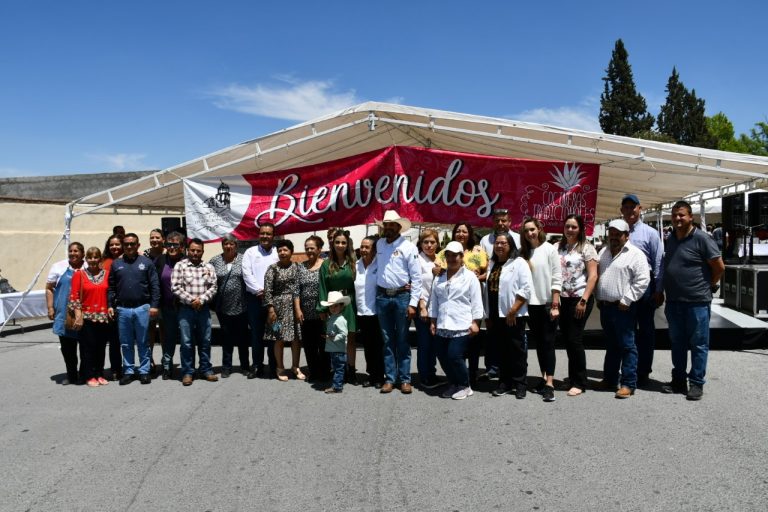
x,y
30,231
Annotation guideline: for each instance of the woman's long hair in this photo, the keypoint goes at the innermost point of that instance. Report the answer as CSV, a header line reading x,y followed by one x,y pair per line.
x,y
513,252
526,250
580,239
349,255
470,239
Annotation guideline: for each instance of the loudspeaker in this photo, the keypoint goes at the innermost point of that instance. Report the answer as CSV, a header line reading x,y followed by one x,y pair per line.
x,y
758,209
733,212
169,224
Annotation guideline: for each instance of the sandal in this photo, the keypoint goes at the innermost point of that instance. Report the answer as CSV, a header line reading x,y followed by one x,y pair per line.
x,y
281,376
575,391
298,374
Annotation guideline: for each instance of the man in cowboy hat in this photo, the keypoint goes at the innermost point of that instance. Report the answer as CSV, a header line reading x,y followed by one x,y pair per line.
x,y
398,287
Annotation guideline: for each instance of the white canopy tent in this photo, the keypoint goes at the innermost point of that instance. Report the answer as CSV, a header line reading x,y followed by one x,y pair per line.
x,y
657,172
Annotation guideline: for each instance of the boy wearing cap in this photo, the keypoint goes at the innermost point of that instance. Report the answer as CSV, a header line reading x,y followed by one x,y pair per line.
x,y
336,338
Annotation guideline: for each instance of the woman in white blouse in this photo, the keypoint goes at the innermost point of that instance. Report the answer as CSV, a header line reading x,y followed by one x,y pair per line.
x,y
455,311
508,288
578,262
544,305
368,328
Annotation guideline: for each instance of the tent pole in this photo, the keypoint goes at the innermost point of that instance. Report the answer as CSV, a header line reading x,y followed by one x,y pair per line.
x,y
64,236
703,213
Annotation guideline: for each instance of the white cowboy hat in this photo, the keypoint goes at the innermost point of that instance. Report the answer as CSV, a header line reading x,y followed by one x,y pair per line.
x,y
335,298
393,216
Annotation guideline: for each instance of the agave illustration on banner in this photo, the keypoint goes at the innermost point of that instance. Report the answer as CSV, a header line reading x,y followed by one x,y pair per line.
x,y
568,177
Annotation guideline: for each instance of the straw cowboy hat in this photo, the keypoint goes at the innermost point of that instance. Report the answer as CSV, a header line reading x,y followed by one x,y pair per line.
x,y
335,298
393,216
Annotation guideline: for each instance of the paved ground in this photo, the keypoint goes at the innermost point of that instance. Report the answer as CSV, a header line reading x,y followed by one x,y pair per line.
x,y
266,445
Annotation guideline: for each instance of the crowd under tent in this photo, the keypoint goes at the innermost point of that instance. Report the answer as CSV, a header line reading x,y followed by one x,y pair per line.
x,y
659,173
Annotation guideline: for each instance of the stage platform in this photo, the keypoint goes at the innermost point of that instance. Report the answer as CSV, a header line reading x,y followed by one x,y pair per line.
x,y
729,330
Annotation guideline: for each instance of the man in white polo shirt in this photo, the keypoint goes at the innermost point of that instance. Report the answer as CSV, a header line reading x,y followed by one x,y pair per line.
x,y
256,260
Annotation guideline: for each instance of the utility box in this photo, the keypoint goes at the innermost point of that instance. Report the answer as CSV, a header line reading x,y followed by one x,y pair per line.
x,y
754,290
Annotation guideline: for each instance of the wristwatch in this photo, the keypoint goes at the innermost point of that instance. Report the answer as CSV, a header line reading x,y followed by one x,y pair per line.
x,y
583,302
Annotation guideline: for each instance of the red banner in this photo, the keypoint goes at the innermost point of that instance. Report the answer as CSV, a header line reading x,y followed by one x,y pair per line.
x,y
424,185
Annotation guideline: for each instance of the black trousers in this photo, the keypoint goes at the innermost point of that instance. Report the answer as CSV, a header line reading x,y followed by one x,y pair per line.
x,y
93,344
115,354
572,331
318,360
69,351
542,331
369,331
235,333
513,351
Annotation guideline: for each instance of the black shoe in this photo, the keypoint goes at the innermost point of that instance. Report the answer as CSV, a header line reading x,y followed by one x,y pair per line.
x,y
490,374
225,373
145,378
430,383
502,390
539,389
548,394
350,376
520,391
695,392
676,386
126,379
377,385
167,373
251,375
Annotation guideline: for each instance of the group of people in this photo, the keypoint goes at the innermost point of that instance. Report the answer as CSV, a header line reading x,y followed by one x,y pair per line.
x,y
523,287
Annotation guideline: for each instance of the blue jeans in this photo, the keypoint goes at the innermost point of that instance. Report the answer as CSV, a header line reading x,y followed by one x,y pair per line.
x,y
689,330
620,349
132,324
393,319
451,353
338,363
171,328
426,351
646,331
195,329
257,319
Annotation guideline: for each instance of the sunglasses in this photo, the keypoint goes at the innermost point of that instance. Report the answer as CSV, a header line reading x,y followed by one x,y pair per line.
x,y
129,244
172,245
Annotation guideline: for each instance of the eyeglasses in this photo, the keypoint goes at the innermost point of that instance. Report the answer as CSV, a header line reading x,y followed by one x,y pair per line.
x,y
172,245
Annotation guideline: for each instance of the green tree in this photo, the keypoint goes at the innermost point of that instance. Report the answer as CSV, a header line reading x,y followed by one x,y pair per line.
x,y
682,117
721,131
623,110
757,141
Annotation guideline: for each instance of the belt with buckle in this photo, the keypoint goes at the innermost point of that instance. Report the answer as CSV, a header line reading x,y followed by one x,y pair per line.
x,y
391,292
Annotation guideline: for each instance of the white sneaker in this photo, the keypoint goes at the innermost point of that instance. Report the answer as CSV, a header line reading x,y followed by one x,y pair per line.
x,y
463,393
449,391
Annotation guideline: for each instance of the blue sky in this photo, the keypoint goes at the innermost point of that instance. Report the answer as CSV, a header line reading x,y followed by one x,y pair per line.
x,y
110,86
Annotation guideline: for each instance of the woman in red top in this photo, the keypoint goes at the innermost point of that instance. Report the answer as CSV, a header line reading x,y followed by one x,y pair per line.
x,y
88,299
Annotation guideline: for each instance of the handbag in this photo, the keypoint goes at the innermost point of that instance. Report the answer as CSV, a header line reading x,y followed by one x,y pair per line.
x,y
69,321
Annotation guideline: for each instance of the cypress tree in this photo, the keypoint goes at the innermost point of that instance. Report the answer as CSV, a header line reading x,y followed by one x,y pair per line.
x,y
682,116
623,110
